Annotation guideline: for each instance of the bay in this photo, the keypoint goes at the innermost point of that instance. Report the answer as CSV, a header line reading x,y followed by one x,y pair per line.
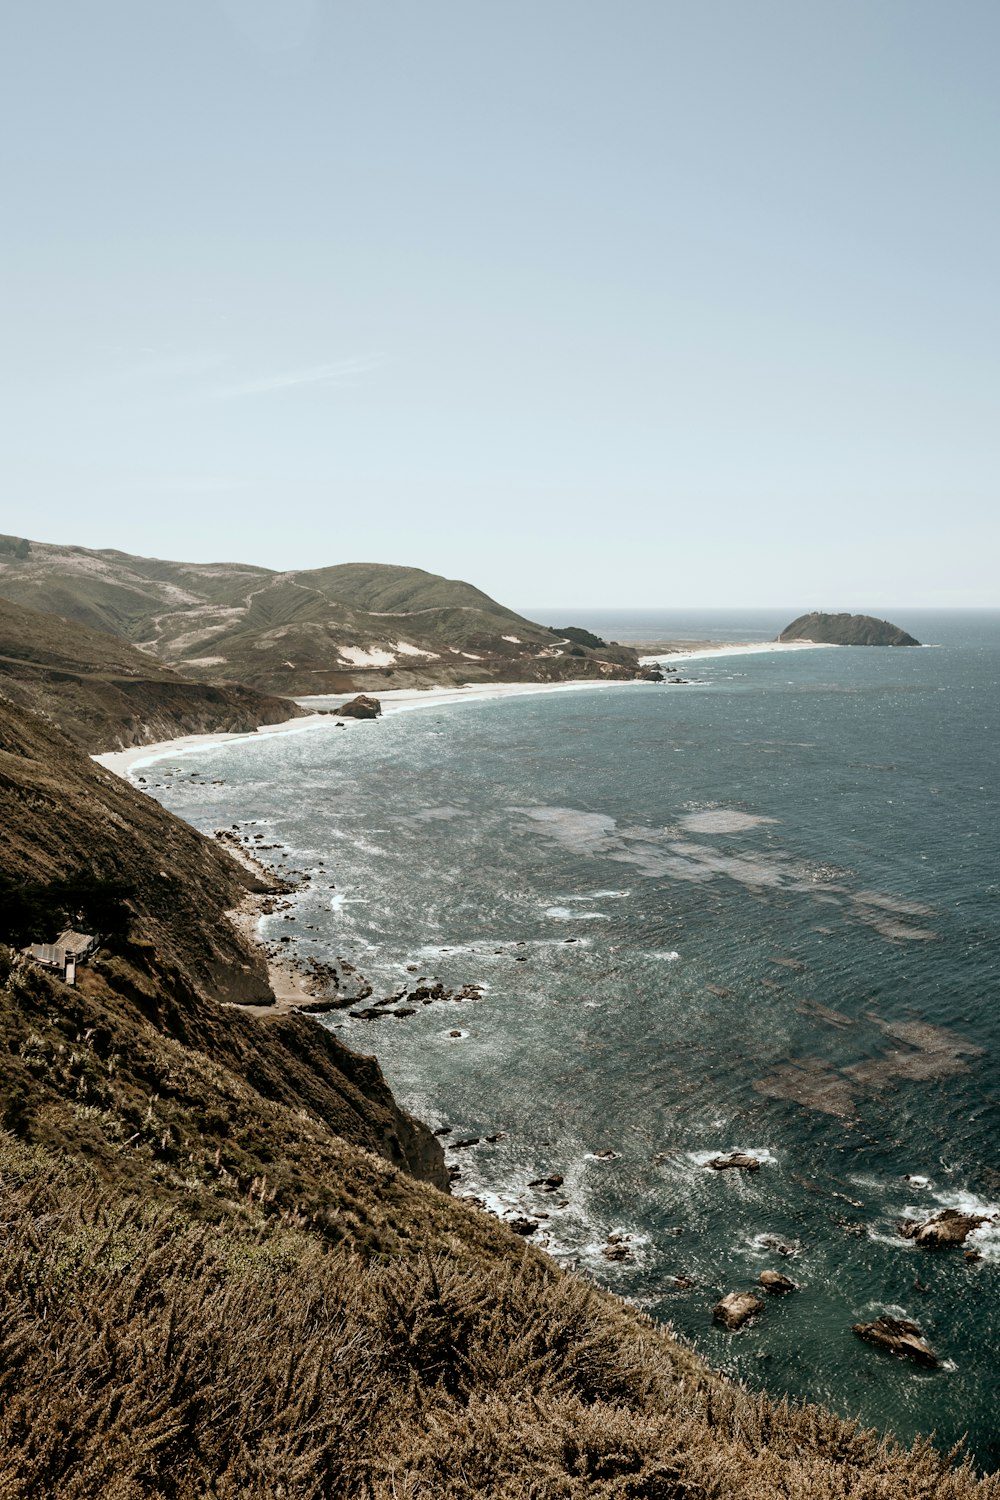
x,y
757,912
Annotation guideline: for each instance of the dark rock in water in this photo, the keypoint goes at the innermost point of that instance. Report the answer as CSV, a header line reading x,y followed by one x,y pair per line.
x,y
607,1155
737,1159
846,630
548,1183
949,1227
736,1308
683,1284
782,1247
899,1337
615,1250
776,1284
522,1226
472,1140
361,707
444,1130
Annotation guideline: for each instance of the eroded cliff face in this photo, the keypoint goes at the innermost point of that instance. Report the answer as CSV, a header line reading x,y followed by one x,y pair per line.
x,y
170,978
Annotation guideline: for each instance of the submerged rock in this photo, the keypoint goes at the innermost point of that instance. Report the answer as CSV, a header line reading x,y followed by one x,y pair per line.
x,y
776,1284
737,1159
897,1336
782,1247
949,1227
735,1308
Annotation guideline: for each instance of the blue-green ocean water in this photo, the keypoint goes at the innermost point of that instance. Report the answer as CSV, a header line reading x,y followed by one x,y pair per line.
x,y
758,912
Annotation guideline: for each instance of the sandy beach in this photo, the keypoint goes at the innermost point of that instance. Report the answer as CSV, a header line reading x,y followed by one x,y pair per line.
x,y
404,700
704,649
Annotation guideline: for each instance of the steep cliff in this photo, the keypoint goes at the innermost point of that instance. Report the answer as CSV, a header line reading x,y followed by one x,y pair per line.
x,y
82,846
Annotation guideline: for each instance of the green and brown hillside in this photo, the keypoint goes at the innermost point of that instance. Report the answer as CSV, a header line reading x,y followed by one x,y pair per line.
x,y
326,630
106,695
846,630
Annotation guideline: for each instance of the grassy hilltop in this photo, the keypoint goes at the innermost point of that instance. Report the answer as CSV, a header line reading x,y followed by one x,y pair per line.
x,y
326,630
231,1266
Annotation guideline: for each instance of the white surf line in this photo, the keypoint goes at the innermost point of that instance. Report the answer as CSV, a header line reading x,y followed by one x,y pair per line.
x,y
404,700
396,700
736,648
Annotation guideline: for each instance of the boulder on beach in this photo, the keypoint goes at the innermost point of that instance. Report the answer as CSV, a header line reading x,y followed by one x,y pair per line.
x,y
776,1284
897,1336
361,707
738,1159
735,1308
949,1227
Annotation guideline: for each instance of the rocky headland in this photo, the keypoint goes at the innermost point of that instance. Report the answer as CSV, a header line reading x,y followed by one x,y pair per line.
x,y
846,630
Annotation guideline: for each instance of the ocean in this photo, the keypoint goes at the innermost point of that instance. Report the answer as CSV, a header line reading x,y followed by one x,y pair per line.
x,y
757,913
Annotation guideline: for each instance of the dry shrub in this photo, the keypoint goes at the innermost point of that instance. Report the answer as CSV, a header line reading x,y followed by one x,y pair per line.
x,y
144,1354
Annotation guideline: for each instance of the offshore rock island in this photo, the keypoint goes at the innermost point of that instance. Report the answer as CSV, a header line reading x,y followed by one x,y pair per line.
x,y
232,1265
846,630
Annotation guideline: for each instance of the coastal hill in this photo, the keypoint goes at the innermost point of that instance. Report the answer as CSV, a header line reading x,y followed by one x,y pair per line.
x,y
326,630
106,695
225,1227
846,630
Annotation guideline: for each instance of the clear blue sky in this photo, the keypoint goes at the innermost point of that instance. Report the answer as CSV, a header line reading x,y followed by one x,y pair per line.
x,y
627,303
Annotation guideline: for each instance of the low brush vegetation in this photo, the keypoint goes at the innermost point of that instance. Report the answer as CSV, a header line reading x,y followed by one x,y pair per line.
x,y
209,1292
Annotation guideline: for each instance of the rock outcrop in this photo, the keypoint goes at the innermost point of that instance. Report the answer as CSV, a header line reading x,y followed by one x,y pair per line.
x,y
736,1308
846,630
942,1230
776,1284
898,1336
361,707
735,1159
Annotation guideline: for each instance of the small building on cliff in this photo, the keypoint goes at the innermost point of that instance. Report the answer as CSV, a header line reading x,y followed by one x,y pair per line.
x,y
69,949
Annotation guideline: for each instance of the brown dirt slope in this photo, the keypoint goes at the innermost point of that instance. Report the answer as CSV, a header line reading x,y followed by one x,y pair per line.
x,y
106,695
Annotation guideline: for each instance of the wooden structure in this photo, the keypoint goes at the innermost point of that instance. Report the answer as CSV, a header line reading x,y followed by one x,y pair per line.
x,y
69,949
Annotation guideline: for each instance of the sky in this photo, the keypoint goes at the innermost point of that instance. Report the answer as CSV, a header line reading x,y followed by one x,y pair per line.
x,y
645,303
